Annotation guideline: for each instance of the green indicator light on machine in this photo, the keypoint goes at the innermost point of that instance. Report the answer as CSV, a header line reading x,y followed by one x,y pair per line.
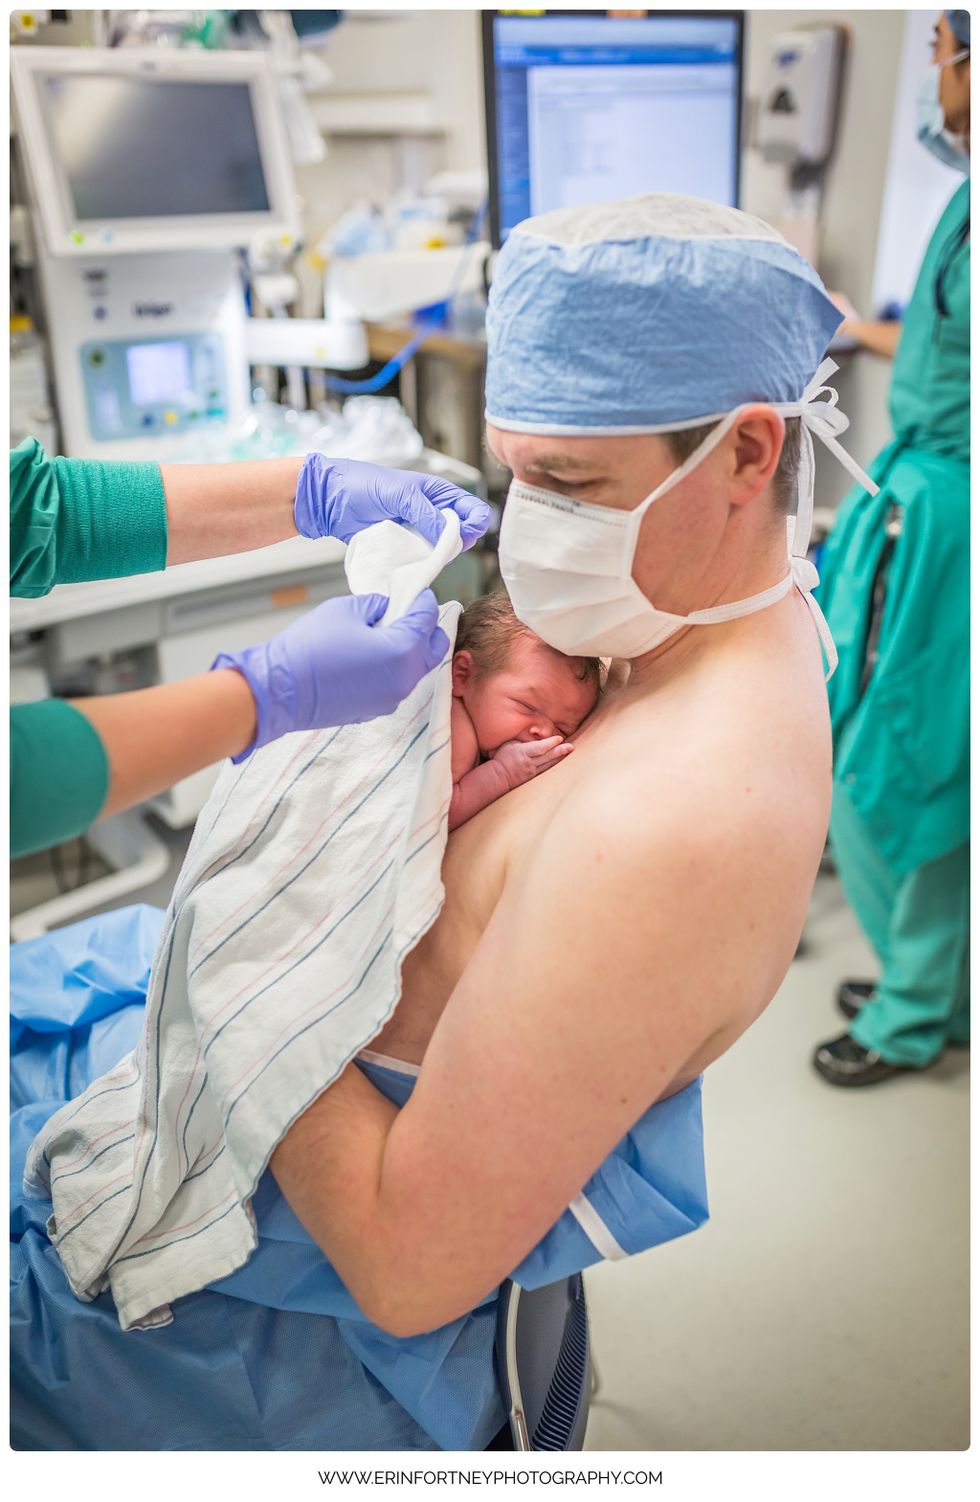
x,y
78,237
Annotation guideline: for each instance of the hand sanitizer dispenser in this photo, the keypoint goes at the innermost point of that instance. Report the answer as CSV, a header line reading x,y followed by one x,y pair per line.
x,y
797,114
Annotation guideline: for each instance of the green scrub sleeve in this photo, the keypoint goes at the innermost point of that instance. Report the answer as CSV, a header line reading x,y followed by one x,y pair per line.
x,y
59,775
73,520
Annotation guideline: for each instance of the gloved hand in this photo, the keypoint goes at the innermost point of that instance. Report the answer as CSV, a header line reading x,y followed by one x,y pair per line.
x,y
522,760
339,497
335,666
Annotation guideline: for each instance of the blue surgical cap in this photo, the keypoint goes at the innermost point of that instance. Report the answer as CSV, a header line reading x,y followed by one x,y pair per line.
x,y
959,25
648,313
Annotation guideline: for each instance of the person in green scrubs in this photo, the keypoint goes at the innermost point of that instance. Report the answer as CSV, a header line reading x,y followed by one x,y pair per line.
x,y
895,592
75,520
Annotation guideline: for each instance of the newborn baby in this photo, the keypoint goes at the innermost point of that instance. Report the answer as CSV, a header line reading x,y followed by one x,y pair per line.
x,y
516,702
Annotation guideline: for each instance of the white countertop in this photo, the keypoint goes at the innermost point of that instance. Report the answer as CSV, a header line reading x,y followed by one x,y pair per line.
x,y
70,602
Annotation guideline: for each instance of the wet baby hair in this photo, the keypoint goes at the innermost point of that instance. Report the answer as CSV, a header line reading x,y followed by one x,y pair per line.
x,y
488,629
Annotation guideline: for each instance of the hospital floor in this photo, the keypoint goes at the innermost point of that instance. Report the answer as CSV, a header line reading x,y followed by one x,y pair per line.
x,y
825,1305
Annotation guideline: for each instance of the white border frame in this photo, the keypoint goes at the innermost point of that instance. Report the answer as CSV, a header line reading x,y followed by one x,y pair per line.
x,y
29,65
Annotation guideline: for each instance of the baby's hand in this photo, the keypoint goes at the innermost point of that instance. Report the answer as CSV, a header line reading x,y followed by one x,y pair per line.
x,y
522,760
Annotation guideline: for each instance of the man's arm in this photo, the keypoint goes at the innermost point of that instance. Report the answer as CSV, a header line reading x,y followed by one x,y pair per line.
x,y
620,949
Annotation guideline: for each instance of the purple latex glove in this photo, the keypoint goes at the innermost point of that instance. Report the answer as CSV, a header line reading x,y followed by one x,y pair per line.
x,y
339,497
335,666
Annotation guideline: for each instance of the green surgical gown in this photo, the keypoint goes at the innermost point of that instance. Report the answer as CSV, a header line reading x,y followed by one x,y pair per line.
x,y
901,743
901,719
70,520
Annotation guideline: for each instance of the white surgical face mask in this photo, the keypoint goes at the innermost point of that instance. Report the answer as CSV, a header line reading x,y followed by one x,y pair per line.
x,y
568,565
944,144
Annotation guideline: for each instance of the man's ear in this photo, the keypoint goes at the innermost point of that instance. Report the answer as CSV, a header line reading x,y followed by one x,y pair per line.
x,y
758,443
463,670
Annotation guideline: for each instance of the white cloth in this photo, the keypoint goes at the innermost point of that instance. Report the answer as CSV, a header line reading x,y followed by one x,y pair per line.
x,y
314,868
389,559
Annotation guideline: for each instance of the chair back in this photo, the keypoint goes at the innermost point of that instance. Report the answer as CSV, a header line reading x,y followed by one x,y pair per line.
x,y
543,1365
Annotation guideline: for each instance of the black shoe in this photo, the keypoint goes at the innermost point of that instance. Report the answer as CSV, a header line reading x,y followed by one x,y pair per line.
x,y
844,1062
852,995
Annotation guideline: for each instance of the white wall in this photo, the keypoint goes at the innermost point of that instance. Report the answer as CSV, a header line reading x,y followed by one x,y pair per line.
x,y
378,52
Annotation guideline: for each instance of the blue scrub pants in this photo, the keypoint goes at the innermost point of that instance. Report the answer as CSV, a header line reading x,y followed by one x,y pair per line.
x,y
919,926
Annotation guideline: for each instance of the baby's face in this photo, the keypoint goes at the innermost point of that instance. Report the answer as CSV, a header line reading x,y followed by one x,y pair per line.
x,y
537,694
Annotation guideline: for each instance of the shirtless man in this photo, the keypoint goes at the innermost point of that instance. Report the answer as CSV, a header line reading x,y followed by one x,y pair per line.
x,y
609,930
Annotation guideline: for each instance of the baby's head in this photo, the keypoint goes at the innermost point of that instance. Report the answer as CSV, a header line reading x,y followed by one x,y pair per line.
x,y
513,686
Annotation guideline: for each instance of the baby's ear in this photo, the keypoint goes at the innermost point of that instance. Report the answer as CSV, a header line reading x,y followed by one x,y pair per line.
x,y
463,670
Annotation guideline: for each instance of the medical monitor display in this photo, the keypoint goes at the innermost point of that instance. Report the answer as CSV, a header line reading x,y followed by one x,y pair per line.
x,y
133,148
582,108
159,372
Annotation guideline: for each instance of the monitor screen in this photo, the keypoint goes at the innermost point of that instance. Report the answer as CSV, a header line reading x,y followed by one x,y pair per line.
x,y
144,148
582,108
159,372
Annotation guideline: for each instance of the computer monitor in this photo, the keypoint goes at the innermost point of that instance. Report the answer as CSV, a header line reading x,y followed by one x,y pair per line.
x,y
132,150
583,107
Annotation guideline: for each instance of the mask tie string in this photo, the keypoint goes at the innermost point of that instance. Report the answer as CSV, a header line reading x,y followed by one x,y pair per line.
x,y
805,577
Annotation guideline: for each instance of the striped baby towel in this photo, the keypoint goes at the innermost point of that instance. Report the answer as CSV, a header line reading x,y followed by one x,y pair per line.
x,y
314,868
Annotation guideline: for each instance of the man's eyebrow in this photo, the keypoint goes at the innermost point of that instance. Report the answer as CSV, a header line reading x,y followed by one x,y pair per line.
x,y
556,460
547,463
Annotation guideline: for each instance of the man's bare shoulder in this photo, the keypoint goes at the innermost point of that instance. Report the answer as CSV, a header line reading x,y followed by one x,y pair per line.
x,y
718,776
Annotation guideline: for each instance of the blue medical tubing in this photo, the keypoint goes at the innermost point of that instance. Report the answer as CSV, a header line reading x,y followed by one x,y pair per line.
x,y
387,372
401,358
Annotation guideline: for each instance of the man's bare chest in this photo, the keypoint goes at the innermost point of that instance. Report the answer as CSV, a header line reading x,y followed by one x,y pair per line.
x,y
479,858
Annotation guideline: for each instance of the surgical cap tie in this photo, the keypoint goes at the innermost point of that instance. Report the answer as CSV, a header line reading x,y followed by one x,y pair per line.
x,y
828,422
820,414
